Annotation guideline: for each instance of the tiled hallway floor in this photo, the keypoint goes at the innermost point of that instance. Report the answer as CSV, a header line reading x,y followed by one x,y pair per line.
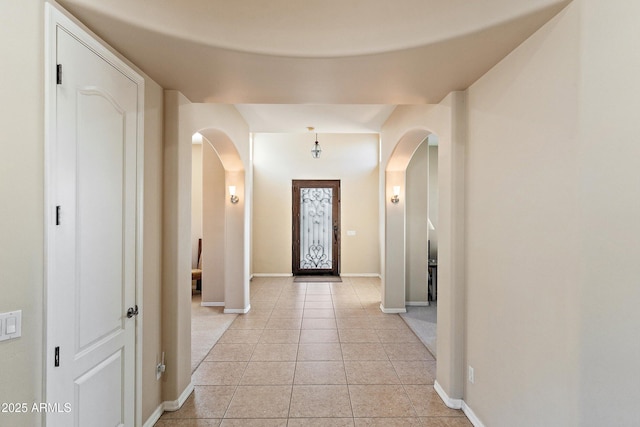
x,y
315,354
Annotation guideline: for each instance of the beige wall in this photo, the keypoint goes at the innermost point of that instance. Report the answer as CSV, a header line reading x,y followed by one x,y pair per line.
x,y
609,188
22,207
176,231
522,247
152,247
22,182
213,257
417,182
552,321
433,199
280,158
196,200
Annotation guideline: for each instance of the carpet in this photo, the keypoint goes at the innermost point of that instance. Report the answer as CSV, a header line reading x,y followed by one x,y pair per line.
x,y
325,279
422,321
207,326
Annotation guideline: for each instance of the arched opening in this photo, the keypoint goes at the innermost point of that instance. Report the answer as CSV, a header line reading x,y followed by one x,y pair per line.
x,y
394,290
401,135
422,242
208,239
229,136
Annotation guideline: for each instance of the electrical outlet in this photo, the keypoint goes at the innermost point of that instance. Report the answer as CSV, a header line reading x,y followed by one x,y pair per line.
x,y
472,377
160,368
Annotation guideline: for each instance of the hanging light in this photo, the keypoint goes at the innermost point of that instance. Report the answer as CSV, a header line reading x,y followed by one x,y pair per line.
x,y
316,150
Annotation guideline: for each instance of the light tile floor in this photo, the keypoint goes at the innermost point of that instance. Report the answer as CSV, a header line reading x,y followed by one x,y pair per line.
x,y
316,354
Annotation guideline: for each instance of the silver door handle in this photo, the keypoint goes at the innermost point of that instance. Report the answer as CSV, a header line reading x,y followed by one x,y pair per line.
x,y
132,312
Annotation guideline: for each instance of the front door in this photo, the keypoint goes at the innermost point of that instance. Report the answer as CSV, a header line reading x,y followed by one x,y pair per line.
x,y
316,227
92,233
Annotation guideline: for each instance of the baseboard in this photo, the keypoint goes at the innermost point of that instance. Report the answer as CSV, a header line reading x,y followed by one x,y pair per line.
x,y
171,406
457,404
212,304
237,310
360,275
471,415
272,275
392,310
377,275
451,403
154,417
417,303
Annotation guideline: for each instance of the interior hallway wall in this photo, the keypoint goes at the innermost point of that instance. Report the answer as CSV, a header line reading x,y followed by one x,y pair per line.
x,y
22,209
417,206
22,182
433,197
280,158
523,267
196,201
152,247
609,191
213,258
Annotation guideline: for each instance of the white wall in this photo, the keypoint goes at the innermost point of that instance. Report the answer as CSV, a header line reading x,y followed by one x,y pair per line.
x,y
280,158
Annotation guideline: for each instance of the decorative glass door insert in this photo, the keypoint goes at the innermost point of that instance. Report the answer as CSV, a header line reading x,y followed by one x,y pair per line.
x,y
316,227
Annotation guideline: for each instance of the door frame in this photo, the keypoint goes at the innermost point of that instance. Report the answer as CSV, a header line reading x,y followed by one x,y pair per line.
x,y
56,16
296,184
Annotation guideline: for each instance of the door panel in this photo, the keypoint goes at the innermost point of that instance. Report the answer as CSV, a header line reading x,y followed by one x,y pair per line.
x,y
99,229
316,227
94,407
93,248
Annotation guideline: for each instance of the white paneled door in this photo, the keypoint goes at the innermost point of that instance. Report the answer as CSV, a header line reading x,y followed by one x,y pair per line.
x,y
91,290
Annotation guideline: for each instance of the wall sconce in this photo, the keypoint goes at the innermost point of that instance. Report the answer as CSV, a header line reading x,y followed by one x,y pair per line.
x,y
232,190
396,194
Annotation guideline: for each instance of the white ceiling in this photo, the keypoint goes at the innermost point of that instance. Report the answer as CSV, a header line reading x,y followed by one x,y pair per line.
x,y
339,65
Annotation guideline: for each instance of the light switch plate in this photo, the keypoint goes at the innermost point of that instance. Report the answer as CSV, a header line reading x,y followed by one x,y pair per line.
x,y
10,325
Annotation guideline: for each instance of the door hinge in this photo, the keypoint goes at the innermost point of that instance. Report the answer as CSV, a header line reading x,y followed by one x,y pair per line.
x,y
59,74
58,215
56,357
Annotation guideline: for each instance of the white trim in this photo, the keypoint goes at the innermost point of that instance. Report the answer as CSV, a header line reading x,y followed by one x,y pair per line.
x,y
272,275
154,417
471,415
417,303
457,404
451,403
392,310
174,405
212,304
237,310
361,275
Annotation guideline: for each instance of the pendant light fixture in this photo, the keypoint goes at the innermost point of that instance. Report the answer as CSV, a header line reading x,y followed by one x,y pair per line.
x,y
316,150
